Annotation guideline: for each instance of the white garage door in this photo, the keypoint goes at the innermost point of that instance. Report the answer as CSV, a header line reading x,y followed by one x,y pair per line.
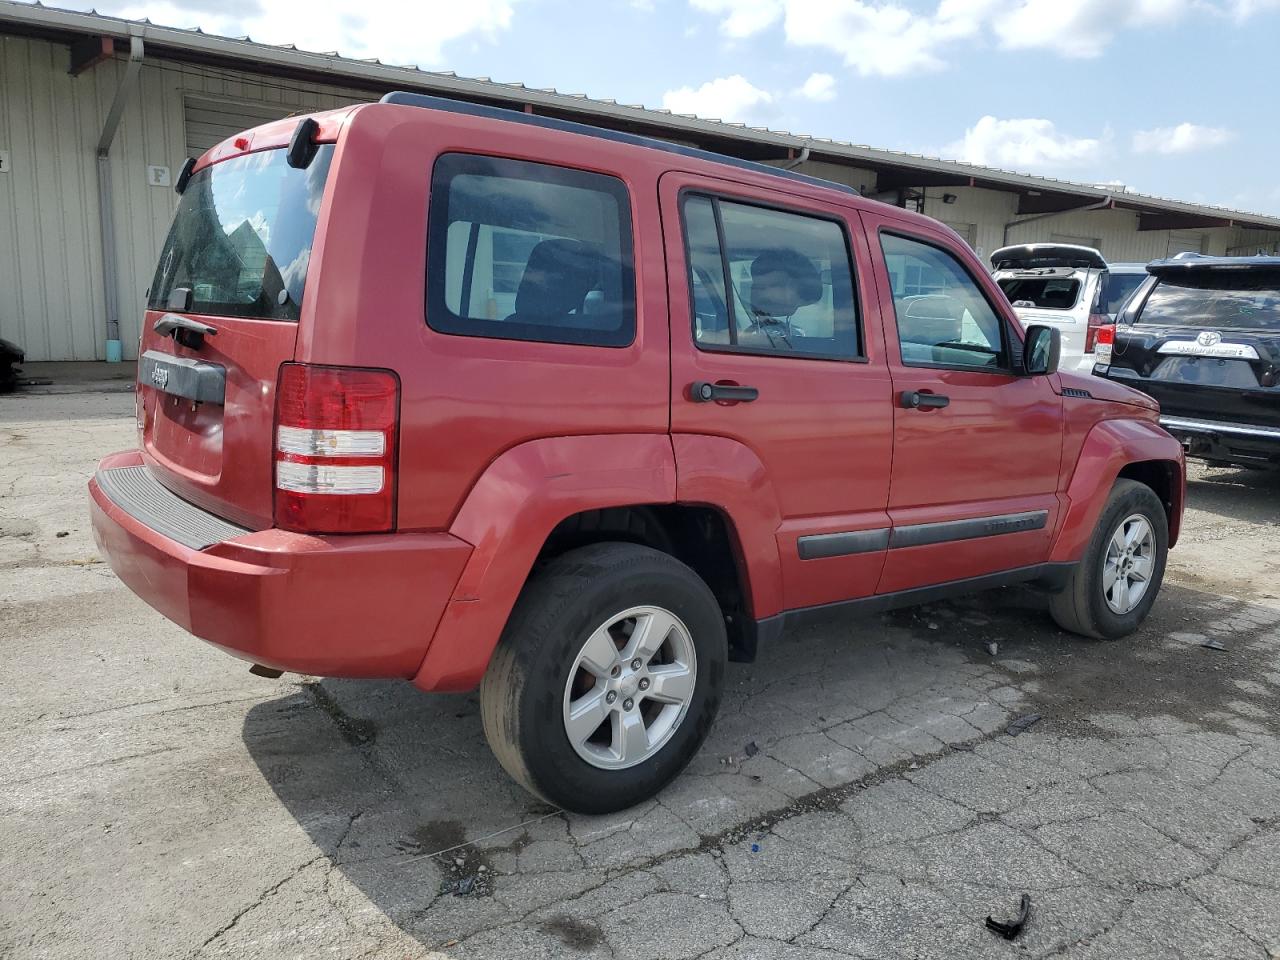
x,y
1185,242
1095,242
212,121
968,231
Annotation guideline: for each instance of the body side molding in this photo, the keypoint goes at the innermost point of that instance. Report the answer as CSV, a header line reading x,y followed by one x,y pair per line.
x,y
1053,576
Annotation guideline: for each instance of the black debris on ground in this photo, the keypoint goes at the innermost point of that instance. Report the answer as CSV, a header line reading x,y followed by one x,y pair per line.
x,y
1014,927
1022,724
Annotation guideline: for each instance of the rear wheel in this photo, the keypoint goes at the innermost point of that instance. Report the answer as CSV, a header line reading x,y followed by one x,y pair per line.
x,y
607,678
1112,589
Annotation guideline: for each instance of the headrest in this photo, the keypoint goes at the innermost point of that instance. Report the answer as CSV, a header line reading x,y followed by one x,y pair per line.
x,y
557,278
782,281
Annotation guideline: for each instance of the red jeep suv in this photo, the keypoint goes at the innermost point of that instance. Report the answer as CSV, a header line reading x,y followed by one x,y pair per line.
x,y
447,393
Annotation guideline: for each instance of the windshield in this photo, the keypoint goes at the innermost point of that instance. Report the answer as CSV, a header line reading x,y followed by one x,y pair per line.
x,y
241,239
1116,290
1244,301
1044,293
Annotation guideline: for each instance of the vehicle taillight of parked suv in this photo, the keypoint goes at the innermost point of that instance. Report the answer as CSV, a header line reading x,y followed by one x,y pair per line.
x,y
1202,336
466,397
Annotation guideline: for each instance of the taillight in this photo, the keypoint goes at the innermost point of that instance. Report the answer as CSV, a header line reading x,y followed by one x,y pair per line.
x,y
1097,322
1103,342
335,449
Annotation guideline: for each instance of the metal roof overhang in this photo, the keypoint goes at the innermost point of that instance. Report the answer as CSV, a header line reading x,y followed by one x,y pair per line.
x,y
894,170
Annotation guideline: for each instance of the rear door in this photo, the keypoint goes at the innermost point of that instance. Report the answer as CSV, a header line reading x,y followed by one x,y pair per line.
x,y
769,298
976,446
1206,344
222,315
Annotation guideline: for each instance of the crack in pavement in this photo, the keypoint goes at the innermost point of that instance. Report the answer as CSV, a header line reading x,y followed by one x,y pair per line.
x,y
257,902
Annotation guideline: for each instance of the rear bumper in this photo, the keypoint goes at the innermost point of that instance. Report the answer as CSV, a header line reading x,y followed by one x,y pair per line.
x,y
1244,443
336,606
1082,364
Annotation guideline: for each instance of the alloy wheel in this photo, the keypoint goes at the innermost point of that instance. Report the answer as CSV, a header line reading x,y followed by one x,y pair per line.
x,y
1129,563
630,687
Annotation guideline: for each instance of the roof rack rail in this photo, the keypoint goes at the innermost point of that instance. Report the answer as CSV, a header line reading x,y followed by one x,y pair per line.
x,y
404,98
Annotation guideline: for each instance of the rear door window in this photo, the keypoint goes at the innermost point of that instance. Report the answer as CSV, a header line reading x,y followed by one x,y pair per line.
x,y
241,238
1116,289
1043,293
529,251
765,280
1245,301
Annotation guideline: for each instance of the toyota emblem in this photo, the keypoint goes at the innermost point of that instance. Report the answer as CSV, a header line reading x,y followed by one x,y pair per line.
x,y
1210,338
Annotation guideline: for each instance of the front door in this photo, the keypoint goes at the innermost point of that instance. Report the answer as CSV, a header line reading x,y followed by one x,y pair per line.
x,y
778,367
977,445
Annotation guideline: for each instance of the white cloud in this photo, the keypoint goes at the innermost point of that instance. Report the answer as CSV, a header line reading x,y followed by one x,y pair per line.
x,y
884,39
725,98
1184,138
1244,9
1079,29
391,31
742,18
890,38
1022,144
820,87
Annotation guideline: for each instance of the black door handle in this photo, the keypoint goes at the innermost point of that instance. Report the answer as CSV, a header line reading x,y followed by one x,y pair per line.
x,y
184,330
920,400
700,391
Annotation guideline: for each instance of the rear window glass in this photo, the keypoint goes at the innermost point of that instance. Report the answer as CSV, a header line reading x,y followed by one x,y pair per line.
x,y
1043,293
241,239
528,251
1243,301
1116,289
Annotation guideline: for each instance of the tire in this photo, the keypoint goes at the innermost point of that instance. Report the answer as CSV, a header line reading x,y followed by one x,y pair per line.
x,y
1085,606
556,634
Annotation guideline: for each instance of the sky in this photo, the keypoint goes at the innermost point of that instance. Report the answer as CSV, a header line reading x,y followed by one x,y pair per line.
x,y
1176,98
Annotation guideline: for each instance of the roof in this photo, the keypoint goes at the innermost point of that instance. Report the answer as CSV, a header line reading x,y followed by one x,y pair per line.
x,y
1200,263
401,98
894,169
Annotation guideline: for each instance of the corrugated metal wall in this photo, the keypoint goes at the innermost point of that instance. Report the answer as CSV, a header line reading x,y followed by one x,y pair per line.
x,y
1249,242
1117,230
51,300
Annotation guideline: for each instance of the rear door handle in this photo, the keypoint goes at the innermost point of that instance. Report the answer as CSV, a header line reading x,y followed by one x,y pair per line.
x,y
184,330
701,391
922,400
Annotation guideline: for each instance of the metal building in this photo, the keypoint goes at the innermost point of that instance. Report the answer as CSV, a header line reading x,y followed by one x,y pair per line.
x,y
97,115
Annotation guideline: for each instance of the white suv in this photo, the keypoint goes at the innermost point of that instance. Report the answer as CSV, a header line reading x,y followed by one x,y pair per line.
x,y
1056,284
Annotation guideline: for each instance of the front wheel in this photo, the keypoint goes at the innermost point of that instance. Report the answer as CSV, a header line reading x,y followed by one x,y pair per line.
x,y
607,678
1114,585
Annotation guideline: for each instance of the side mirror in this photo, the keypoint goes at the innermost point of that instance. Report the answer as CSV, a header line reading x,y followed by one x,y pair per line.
x,y
1041,350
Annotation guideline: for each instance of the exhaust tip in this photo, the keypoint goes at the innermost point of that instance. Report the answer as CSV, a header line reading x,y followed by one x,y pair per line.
x,y
258,670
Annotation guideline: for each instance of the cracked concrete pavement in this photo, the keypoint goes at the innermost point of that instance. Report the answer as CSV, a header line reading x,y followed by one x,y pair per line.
x,y
158,801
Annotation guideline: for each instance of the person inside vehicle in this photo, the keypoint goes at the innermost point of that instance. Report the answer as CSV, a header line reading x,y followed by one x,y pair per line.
x,y
782,281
